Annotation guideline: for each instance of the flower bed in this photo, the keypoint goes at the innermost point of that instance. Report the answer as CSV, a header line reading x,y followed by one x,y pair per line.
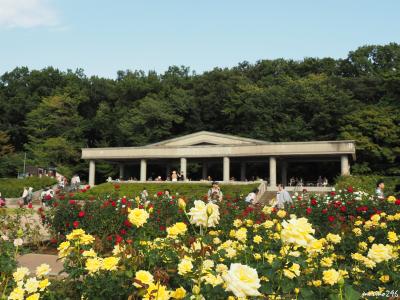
x,y
343,245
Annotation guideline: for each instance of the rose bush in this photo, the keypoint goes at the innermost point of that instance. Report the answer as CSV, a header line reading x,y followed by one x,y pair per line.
x,y
346,245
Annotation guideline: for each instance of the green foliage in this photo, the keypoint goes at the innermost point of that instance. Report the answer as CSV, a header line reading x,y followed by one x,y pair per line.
x,y
13,187
276,100
198,190
367,183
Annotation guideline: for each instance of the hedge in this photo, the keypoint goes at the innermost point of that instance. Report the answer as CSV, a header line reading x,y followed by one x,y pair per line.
x,y
13,187
184,189
367,183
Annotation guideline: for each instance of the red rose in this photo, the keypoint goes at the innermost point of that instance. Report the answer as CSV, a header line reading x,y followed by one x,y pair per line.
x,y
159,194
397,202
47,197
81,214
75,224
61,197
30,205
162,228
55,204
342,219
333,193
118,239
350,189
122,231
324,211
299,198
127,223
72,202
331,218
141,206
171,202
109,238
67,224
113,204
123,200
313,202
343,208
309,210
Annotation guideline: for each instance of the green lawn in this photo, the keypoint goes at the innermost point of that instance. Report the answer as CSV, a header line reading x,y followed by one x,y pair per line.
x,y
184,189
13,187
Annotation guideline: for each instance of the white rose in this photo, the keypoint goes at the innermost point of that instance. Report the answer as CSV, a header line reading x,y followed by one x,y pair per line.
x,y
201,213
18,242
4,237
242,281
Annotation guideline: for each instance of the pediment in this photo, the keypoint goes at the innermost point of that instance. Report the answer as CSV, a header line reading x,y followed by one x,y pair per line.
x,y
205,138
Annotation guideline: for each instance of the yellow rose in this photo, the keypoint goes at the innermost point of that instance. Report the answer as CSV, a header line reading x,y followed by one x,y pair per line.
x,y
326,262
297,232
35,296
159,290
268,224
43,284
206,215
333,238
241,234
293,271
31,285
42,270
20,273
144,277
384,278
138,217
86,239
89,253
392,237
391,199
316,283
63,249
185,266
237,223
93,265
330,276
242,281
110,263
179,293
75,234
281,213
17,294
379,253
257,239
178,228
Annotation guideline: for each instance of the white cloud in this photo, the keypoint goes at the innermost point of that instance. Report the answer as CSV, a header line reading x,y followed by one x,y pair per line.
x,y
27,13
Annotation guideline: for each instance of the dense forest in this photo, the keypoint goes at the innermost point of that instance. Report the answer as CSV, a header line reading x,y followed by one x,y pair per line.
x,y
50,114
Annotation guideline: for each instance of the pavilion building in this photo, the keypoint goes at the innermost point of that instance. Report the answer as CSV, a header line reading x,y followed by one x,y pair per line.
x,y
207,147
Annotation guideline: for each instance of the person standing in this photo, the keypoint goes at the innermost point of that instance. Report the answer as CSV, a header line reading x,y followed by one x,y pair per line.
x,y
25,196
174,176
282,197
30,195
214,193
380,186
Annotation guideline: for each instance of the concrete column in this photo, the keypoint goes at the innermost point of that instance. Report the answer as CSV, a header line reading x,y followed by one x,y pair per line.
x,y
168,171
243,171
272,172
184,167
121,171
143,170
344,164
92,172
205,170
226,169
284,172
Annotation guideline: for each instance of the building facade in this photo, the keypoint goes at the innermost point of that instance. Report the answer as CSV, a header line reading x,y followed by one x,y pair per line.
x,y
204,147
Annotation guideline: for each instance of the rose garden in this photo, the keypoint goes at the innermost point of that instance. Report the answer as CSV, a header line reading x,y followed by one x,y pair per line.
x,y
338,245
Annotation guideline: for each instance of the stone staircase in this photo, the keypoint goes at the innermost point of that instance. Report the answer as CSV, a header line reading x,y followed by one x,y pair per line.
x,y
267,196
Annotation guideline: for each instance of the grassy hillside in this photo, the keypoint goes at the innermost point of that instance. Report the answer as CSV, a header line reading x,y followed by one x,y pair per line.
x,y
13,187
184,189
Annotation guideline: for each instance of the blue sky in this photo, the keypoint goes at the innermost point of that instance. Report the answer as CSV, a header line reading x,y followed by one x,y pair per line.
x,y
103,37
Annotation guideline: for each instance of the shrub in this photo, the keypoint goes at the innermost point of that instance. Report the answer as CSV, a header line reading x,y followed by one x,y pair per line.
x,y
13,187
